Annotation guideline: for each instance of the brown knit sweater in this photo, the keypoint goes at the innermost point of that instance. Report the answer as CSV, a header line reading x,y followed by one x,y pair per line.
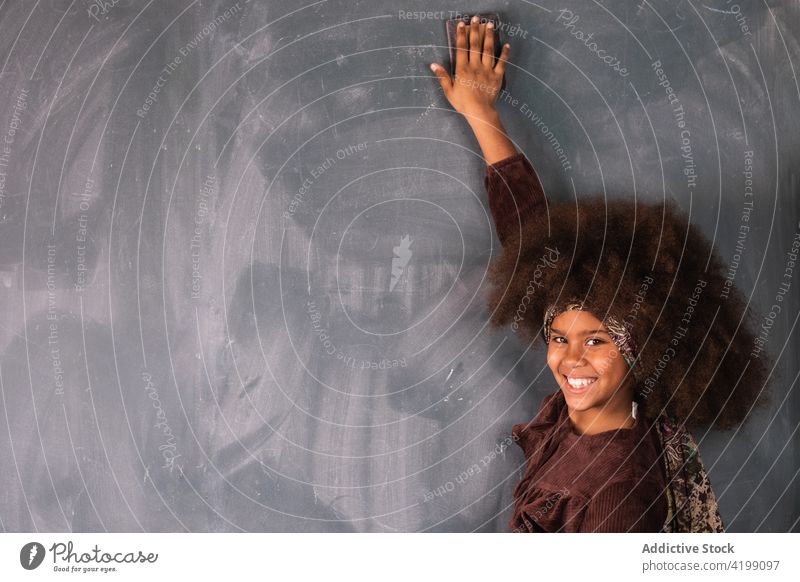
x,y
613,481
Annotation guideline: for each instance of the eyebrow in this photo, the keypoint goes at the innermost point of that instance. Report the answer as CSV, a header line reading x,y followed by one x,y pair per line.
x,y
585,332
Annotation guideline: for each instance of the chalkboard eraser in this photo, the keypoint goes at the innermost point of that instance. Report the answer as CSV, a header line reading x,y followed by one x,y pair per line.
x,y
451,25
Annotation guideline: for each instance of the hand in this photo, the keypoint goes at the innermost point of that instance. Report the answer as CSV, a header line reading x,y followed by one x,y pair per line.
x,y
474,89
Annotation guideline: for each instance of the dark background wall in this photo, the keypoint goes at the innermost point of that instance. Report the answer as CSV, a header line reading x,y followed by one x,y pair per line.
x,y
254,300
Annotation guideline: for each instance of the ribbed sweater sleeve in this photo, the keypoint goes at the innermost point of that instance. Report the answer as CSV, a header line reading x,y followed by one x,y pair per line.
x,y
515,194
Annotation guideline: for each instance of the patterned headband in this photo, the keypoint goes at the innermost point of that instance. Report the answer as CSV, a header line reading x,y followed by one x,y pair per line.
x,y
620,334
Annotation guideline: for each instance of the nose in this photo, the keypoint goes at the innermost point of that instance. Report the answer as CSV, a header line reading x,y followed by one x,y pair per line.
x,y
574,355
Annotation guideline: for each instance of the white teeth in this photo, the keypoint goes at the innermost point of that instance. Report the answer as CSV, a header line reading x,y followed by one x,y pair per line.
x,y
580,382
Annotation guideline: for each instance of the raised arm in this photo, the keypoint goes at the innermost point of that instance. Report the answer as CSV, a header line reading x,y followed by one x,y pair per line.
x,y
515,194
514,190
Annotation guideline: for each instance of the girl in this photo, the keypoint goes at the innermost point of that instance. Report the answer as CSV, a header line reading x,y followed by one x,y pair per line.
x,y
644,334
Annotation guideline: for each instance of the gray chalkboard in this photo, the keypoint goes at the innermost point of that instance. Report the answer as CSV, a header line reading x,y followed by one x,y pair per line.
x,y
243,250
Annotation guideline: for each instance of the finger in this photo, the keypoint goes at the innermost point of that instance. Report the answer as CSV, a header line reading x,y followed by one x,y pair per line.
x,y
475,40
500,67
461,45
488,44
444,78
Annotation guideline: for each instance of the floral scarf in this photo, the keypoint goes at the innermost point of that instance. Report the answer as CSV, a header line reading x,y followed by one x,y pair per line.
x,y
691,500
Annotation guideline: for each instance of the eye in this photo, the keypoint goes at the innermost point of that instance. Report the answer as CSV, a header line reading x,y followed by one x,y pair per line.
x,y
557,339
595,339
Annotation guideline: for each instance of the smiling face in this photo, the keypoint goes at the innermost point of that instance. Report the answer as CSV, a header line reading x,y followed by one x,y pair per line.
x,y
591,373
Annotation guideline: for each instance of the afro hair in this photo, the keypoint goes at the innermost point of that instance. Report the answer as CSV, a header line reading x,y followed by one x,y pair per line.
x,y
647,266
